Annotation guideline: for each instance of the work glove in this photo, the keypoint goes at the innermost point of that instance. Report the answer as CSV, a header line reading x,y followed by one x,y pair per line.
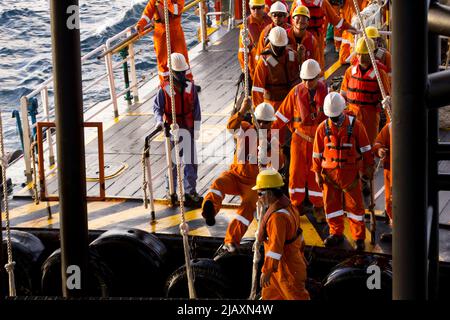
x,y
382,153
387,102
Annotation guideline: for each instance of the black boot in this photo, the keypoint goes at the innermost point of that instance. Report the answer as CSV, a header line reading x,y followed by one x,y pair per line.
x,y
193,200
333,240
386,237
209,213
359,245
198,88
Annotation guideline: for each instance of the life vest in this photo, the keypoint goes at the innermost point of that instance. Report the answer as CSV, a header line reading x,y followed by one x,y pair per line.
x,y
254,29
310,112
283,74
184,104
340,151
316,12
363,89
282,206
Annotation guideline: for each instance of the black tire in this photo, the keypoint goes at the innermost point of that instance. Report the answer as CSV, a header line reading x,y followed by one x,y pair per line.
x,y
137,260
209,281
27,251
349,279
238,268
99,279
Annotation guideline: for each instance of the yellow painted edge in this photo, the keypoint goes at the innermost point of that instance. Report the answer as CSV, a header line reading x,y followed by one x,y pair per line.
x,y
332,69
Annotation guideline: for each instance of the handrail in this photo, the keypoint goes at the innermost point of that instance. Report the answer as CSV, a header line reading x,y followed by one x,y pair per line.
x,y
106,50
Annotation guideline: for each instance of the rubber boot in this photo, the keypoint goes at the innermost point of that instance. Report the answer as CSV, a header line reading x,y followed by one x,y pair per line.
x,y
333,240
359,245
193,200
209,213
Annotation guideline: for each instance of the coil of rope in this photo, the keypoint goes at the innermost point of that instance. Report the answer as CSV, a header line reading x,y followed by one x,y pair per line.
x,y
259,209
10,265
372,58
184,227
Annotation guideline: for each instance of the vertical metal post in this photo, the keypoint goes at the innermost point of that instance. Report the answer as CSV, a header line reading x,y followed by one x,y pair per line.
x,y
409,132
203,29
434,57
111,82
26,137
135,89
44,95
124,55
70,141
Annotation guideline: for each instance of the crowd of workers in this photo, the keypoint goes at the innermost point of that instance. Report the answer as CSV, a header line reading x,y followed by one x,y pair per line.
x,y
324,143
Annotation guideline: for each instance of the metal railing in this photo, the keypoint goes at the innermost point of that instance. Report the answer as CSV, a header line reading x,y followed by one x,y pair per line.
x,y
131,88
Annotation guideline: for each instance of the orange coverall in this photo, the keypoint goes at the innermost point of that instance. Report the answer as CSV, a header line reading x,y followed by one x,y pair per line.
x,y
283,246
155,10
318,10
238,180
342,186
384,140
263,41
255,27
360,89
347,12
302,119
309,43
270,70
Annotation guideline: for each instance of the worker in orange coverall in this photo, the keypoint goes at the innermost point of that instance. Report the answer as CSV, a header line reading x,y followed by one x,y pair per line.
x,y
279,15
362,92
256,22
381,149
381,54
283,274
241,176
300,38
269,3
339,144
347,12
319,9
277,70
154,13
302,112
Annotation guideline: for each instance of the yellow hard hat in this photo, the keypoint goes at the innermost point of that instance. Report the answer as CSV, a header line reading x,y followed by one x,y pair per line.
x,y
268,179
361,47
301,10
257,3
372,32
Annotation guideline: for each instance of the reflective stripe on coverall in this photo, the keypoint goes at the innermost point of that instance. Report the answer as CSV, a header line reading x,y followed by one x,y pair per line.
x,y
283,247
302,119
342,186
309,43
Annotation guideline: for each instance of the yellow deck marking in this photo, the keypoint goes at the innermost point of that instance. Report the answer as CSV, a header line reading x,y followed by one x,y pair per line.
x,y
202,231
332,69
311,236
44,221
171,221
27,209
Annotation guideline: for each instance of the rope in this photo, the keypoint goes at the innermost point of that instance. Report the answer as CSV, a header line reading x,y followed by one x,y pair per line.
x,y
144,177
184,228
372,56
35,188
10,265
259,209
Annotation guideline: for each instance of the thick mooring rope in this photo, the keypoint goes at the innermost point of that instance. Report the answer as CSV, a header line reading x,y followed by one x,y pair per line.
x,y
10,265
184,227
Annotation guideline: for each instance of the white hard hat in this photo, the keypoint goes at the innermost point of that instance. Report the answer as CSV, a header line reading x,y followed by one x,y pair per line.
x,y
278,36
178,62
310,69
333,105
278,7
265,112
